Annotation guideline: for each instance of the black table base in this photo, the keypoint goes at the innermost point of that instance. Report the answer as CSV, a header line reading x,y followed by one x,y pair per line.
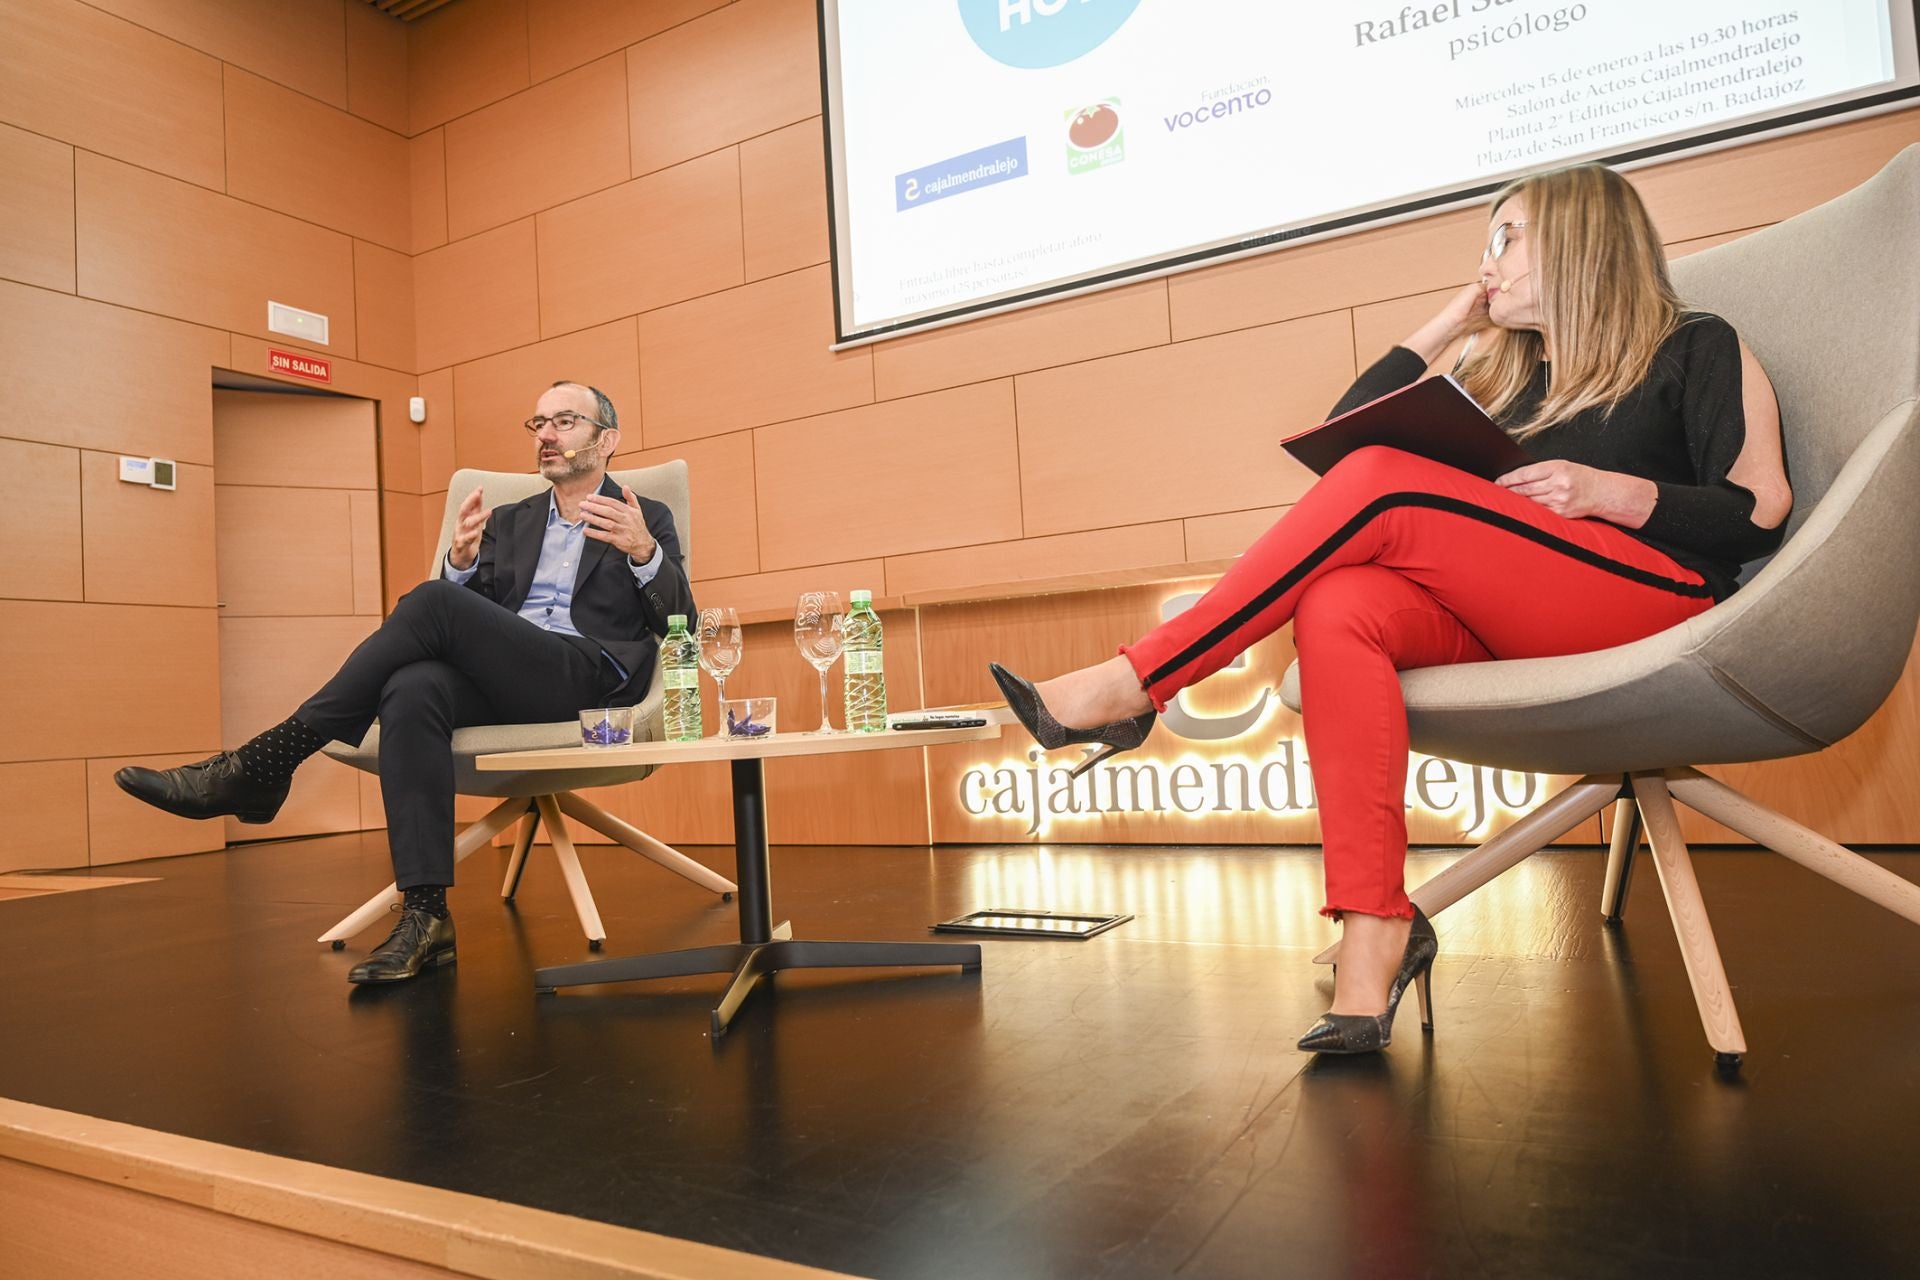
x,y
762,949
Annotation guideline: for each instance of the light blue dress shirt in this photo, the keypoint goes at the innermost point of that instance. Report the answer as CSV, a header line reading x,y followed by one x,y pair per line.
x,y
549,602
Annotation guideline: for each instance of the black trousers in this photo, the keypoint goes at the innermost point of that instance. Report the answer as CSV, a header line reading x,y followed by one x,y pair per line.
x,y
446,658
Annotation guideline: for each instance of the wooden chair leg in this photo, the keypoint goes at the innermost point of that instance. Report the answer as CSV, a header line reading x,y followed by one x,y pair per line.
x,y
1528,836
1697,947
522,843
498,819
1789,839
576,879
625,833
1626,839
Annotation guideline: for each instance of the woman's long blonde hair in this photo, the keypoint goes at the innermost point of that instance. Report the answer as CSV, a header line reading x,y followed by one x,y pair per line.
x,y
1601,276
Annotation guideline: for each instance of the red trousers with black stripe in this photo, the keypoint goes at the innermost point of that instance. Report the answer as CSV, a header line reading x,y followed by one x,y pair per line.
x,y
1389,562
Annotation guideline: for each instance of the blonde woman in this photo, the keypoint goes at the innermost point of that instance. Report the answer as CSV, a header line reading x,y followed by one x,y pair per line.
x,y
1657,472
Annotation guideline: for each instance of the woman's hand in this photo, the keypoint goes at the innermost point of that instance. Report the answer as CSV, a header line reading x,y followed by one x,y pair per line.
x,y
1579,492
1464,313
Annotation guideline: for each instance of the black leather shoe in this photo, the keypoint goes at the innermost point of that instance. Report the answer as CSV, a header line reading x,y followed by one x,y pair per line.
x,y
212,788
421,940
1372,1032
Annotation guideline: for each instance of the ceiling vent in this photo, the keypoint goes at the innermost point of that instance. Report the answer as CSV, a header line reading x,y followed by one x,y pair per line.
x,y
408,10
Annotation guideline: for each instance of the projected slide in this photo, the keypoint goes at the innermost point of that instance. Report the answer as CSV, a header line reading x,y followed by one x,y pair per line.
x,y
990,149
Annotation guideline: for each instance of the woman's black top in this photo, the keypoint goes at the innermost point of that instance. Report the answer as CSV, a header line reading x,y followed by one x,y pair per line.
x,y
1681,428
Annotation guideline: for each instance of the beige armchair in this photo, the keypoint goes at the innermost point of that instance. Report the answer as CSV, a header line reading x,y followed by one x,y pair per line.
x,y
533,799
1799,657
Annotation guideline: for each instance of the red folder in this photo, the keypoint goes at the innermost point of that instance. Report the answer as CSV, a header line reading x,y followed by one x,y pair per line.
x,y
1434,418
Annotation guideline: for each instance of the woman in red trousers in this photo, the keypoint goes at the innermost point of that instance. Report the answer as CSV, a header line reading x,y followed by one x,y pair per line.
x,y
1656,474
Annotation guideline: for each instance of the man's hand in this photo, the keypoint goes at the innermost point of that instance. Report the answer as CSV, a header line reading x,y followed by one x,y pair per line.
x,y
467,528
620,523
1577,492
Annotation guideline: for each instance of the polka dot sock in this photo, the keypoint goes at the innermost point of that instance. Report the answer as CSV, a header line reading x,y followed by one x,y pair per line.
x,y
272,757
430,898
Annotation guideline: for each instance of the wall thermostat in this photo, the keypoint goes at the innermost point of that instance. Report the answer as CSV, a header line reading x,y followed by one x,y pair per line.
x,y
155,473
417,408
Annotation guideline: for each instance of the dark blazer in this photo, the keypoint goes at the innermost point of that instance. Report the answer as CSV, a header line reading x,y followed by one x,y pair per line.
x,y
610,609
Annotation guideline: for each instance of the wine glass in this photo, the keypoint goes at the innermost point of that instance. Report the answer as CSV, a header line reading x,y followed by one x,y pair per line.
x,y
721,648
817,633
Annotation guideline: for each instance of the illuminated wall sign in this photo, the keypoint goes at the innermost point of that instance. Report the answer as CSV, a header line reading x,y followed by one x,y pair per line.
x,y
1225,762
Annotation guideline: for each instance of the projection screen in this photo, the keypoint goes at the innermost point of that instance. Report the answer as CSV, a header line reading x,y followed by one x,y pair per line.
x,y
988,154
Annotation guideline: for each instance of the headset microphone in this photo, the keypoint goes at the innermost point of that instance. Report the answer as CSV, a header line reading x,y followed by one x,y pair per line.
x,y
568,455
1506,285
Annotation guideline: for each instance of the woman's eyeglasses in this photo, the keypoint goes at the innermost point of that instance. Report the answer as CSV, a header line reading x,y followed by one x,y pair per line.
x,y
563,422
1502,236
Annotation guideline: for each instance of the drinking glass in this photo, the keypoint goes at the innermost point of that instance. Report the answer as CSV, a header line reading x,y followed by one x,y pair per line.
x,y
817,632
721,648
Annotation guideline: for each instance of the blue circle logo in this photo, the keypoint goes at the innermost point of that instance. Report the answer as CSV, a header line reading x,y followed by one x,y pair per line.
x,y
1042,33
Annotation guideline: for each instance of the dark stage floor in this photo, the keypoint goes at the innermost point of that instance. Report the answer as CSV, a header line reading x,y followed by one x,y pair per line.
x,y
1128,1106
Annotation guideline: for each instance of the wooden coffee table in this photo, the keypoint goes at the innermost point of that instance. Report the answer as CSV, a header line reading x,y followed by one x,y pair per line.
x,y
762,949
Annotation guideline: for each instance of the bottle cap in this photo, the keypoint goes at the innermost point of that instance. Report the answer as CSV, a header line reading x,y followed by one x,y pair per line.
x,y
861,597
676,620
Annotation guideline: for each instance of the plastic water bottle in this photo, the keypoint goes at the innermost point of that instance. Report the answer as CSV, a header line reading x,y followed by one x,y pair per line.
x,y
680,658
865,683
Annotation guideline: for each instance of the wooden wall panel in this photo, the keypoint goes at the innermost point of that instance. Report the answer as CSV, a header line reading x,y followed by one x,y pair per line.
x,y
783,200
138,678
317,162
1369,266
1065,332
377,67
268,667
1183,430
169,247
1225,535
766,53
86,77
436,438
427,174
563,34
748,356
40,494
307,568
363,510
147,546
475,297
779,592
298,43
493,397
539,148
36,210
953,451
308,442
43,806
383,303
1767,181
147,379
726,533
462,56
388,390
122,829
679,237
402,559
1030,559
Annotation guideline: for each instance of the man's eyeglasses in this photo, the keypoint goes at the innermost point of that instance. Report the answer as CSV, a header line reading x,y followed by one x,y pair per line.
x,y
1502,235
563,422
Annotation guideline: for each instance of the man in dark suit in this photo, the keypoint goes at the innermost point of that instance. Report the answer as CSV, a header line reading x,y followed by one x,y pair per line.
x,y
542,608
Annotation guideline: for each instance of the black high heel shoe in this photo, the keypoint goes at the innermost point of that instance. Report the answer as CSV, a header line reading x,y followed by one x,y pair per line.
x,y
1372,1032
1112,738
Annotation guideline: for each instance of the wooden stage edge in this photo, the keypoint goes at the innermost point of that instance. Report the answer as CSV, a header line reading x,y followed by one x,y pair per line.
x,y
84,1197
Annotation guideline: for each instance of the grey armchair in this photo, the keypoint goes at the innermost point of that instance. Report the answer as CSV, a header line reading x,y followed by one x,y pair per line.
x,y
533,799
1799,658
